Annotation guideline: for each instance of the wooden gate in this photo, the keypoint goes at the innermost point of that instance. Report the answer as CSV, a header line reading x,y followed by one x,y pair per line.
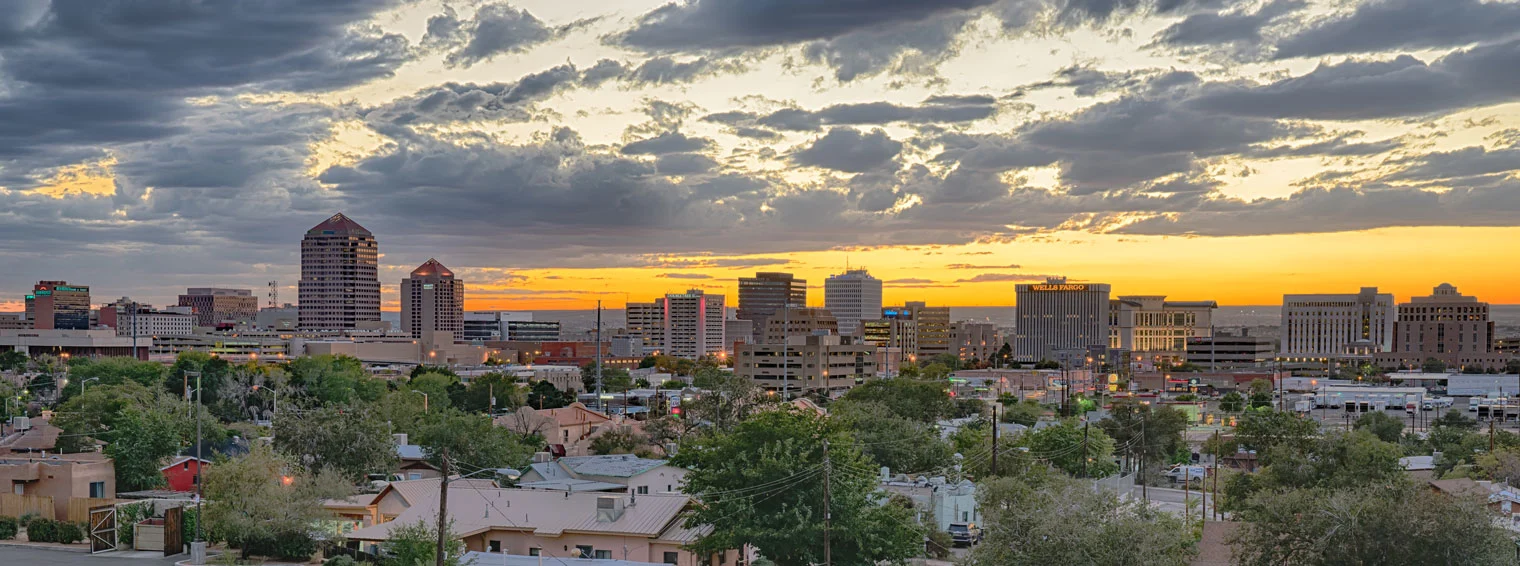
x,y
174,531
102,529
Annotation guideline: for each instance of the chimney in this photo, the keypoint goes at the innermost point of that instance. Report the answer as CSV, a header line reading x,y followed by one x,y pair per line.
x,y
400,438
609,508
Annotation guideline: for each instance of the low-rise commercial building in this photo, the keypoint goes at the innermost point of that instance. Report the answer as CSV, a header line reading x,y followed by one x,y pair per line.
x,y
1155,329
798,321
86,343
213,306
1225,351
829,364
976,340
1446,326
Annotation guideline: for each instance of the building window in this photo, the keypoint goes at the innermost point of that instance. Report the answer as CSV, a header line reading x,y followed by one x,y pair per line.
x,y
643,490
672,558
97,489
603,555
495,546
534,551
582,551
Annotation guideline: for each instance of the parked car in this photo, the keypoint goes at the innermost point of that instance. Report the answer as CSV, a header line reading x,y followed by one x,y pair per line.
x,y
965,534
1188,473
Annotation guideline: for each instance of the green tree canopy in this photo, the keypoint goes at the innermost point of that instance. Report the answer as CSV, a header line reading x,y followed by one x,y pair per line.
x,y
729,401
1264,430
350,442
1433,365
923,401
416,544
439,388
1163,428
1386,428
951,362
474,442
332,380
115,371
141,441
1026,412
899,443
477,397
1071,449
1042,519
266,505
614,380
1394,525
1232,402
759,484
543,395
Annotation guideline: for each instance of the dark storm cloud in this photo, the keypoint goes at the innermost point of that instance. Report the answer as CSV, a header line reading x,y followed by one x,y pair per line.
x,y
721,24
1459,163
668,142
848,150
495,29
1359,90
1382,25
1211,28
511,101
938,109
1338,146
684,164
668,70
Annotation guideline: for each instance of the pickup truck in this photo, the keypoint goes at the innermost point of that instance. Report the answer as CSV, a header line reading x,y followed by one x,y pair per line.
x,y
965,534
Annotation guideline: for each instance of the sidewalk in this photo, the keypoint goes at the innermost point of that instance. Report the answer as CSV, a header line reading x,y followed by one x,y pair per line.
x,y
53,546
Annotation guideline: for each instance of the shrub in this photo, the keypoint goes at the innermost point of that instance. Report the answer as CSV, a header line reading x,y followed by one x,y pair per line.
x,y
290,545
8,527
340,560
68,533
940,543
42,530
27,518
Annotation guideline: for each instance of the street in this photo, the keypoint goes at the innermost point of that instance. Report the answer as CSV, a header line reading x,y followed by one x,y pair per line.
x,y
35,557
1171,500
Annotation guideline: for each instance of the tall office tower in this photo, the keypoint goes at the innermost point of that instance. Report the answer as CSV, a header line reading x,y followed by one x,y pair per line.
x,y
853,296
58,305
1155,329
765,294
432,301
799,321
1056,316
935,336
340,285
693,324
646,321
212,305
1448,326
1319,328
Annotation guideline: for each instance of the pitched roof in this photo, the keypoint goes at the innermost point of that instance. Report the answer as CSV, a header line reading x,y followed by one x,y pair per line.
x,y
181,459
339,223
415,491
542,513
41,437
572,485
611,465
495,559
1461,487
432,267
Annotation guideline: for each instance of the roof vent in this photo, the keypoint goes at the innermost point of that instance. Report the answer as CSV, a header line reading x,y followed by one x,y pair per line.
x,y
609,508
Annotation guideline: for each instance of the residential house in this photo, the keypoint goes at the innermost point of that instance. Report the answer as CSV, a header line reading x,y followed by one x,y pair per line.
x,y
564,426
60,476
368,509
413,462
184,473
42,437
490,559
613,472
639,528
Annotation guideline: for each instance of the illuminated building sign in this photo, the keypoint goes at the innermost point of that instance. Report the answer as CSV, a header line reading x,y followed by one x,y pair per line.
x,y
1060,287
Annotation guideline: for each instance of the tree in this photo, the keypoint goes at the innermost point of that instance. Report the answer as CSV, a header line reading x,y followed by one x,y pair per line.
x,y
349,442
1004,356
416,544
330,380
935,372
439,388
214,374
1433,365
114,371
477,397
1455,419
12,360
923,401
1042,519
265,505
141,441
706,377
891,440
909,371
649,361
1262,431
950,361
759,485
613,379
1337,460
543,395
1386,428
1079,451
1393,525
474,442
730,400
620,441
1232,402
1026,412
1047,364
1163,429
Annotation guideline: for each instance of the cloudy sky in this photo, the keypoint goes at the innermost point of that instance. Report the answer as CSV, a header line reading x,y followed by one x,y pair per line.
x,y
558,152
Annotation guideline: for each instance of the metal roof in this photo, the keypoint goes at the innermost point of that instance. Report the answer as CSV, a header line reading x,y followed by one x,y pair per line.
x,y
490,559
572,485
611,465
542,513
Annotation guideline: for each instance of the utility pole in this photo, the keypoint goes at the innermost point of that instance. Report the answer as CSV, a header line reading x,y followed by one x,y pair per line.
x,y
599,401
828,513
1218,515
1490,435
1084,448
1144,491
443,506
200,459
994,439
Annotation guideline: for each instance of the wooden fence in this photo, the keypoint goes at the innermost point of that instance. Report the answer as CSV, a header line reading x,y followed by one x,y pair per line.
x,y
12,505
79,507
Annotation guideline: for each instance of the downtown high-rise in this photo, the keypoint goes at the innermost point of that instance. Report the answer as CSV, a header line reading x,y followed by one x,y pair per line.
x,y
1056,318
766,294
340,284
432,303
852,297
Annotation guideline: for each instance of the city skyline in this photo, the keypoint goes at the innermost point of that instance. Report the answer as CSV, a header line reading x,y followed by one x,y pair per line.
x,y
554,154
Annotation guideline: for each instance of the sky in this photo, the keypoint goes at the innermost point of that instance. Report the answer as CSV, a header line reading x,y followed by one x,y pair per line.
x,y
555,153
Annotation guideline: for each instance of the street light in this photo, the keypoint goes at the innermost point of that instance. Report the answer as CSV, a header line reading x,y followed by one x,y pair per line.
x,y
424,400
81,384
